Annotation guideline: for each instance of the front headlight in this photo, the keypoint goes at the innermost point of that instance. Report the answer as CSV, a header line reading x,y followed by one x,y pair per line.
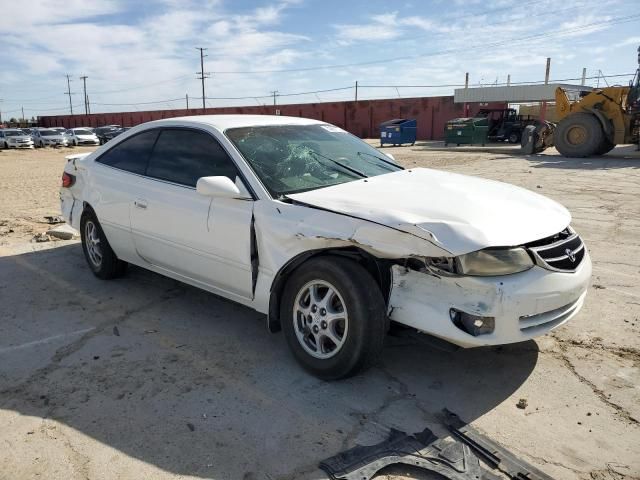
x,y
492,262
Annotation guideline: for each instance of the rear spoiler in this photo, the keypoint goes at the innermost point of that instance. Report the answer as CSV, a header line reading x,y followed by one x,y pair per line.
x,y
76,156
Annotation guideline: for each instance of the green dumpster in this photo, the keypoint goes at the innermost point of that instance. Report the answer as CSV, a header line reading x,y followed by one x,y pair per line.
x,y
466,131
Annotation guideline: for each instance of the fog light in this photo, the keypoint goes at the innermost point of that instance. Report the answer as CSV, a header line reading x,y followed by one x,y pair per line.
x,y
472,324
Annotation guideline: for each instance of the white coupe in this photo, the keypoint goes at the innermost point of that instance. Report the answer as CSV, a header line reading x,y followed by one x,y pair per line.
x,y
326,235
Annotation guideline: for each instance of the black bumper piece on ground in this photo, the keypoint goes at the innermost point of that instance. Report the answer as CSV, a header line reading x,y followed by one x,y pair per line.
x,y
455,458
451,459
493,454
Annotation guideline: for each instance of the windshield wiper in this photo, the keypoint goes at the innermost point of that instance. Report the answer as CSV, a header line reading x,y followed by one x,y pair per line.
x,y
337,162
388,162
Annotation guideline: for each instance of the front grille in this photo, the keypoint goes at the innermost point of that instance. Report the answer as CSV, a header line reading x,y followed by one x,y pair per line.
x,y
563,251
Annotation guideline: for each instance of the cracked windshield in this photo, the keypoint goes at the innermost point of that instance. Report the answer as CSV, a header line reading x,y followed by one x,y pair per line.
x,y
297,158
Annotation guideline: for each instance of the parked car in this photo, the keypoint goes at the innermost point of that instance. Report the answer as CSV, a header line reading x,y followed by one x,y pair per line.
x,y
114,133
15,138
81,136
326,235
48,137
101,132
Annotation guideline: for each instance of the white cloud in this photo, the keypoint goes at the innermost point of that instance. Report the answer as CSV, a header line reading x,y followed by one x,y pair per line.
x,y
630,41
136,54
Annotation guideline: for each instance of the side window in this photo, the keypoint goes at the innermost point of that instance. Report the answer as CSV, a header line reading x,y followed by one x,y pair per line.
x,y
131,155
183,156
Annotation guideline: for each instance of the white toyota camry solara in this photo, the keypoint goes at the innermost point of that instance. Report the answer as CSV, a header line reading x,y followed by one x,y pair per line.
x,y
326,235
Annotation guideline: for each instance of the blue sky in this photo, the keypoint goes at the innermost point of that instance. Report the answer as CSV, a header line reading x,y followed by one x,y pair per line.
x,y
144,51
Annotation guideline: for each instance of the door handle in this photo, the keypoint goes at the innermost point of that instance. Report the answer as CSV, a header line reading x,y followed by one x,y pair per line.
x,y
140,203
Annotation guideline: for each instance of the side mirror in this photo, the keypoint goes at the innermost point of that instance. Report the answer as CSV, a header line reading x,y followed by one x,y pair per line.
x,y
220,187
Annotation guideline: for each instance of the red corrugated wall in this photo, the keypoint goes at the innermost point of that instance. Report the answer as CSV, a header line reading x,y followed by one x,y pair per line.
x,y
360,118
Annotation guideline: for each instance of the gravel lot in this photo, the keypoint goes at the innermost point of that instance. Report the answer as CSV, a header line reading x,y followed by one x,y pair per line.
x,y
145,377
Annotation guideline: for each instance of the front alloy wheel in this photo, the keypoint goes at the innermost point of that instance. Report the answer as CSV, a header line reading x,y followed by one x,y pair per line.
x,y
320,319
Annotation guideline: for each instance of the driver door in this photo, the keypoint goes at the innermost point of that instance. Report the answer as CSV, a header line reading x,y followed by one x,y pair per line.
x,y
204,239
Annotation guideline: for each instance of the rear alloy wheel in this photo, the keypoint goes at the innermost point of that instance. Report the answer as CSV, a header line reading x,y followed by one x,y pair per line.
x,y
514,138
333,317
101,258
579,135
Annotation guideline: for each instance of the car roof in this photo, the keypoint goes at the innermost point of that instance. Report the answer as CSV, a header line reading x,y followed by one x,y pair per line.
x,y
223,122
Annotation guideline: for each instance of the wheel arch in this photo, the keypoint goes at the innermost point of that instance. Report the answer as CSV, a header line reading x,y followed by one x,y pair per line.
x,y
86,206
605,123
380,270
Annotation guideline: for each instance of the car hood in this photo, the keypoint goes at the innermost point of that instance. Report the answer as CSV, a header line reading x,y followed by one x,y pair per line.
x,y
457,212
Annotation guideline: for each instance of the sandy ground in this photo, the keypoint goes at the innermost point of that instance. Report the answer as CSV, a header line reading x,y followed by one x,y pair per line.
x,y
147,378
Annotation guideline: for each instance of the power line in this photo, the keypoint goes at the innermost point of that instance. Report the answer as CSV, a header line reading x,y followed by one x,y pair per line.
x,y
532,82
140,103
510,41
146,85
350,87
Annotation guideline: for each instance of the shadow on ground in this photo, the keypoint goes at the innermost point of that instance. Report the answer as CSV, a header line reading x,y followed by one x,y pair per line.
x,y
194,384
620,157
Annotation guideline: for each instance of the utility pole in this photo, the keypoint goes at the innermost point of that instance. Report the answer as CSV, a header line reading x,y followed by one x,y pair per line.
x,y
584,76
69,92
186,96
466,85
275,94
356,90
22,108
202,74
0,112
543,108
509,80
86,102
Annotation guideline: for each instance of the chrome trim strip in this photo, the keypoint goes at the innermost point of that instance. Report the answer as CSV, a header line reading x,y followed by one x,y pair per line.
x,y
564,257
556,244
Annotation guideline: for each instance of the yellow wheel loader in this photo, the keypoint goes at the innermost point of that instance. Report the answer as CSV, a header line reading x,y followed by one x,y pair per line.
x,y
593,124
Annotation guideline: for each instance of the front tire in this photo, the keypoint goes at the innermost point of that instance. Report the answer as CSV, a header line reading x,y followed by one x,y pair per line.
x,y
605,147
102,260
333,317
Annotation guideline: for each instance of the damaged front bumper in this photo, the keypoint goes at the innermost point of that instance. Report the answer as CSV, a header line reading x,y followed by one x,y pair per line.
x,y
505,309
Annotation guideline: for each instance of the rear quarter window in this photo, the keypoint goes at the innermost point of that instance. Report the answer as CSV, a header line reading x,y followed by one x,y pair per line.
x,y
132,154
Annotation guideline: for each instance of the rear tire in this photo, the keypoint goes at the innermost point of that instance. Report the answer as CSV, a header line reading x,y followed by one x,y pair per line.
x,y
514,138
102,260
579,135
333,316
